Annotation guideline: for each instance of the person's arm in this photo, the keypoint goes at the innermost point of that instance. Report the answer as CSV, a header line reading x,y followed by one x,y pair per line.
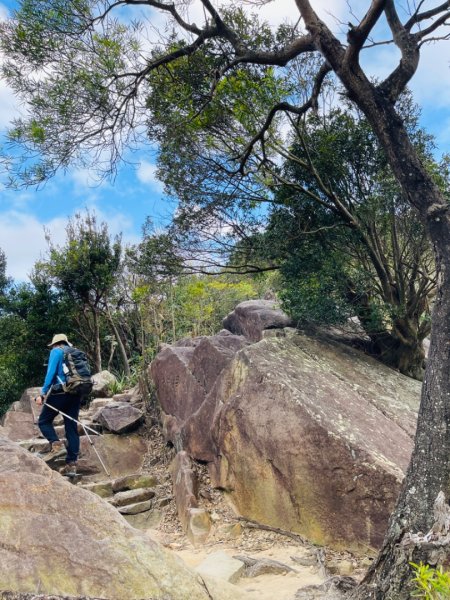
x,y
54,361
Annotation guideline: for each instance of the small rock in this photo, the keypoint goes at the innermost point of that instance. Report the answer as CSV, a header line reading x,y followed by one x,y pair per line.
x,y
133,509
221,566
132,496
198,525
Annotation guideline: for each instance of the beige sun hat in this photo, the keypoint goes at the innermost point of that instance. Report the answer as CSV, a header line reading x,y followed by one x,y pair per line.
x,y
58,338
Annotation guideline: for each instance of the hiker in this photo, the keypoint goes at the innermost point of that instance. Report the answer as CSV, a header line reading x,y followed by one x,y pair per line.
x,y
68,403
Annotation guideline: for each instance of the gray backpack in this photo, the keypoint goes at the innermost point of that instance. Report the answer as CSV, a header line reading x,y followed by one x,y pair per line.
x,y
77,371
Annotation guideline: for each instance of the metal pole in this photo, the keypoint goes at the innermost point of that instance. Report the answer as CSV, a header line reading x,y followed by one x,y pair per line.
x,y
85,427
71,418
95,449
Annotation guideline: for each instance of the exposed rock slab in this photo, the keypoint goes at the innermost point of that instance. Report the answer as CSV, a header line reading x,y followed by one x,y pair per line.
x,y
221,566
58,539
19,425
314,437
305,434
121,454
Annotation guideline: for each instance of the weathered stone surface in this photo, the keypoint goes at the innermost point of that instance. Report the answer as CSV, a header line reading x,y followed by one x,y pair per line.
x,y
314,437
198,525
132,496
19,425
101,488
183,376
97,403
250,318
125,397
145,520
184,487
134,509
27,399
221,566
134,481
121,455
102,381
58,539
136,395
119,417
306,434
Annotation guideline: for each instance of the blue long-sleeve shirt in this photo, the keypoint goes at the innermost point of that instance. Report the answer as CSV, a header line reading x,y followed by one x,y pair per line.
x,y
55,373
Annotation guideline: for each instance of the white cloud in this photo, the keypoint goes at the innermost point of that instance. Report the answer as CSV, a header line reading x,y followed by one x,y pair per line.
x,y
23,240
23,236
4,13
146,173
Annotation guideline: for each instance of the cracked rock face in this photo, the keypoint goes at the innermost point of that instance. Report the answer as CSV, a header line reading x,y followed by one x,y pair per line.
x,y
304,434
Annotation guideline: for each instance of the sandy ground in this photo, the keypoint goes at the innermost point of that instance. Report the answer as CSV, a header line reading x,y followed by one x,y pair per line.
x,y
265,587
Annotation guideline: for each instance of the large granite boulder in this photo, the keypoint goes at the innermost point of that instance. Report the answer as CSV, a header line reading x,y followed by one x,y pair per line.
x,y
314,437
184,375
252,317
102,382
61,540
304,434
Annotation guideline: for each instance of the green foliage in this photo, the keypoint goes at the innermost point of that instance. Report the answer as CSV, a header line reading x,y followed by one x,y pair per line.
x,y
430,583
86,267
200,303
123,382
29,316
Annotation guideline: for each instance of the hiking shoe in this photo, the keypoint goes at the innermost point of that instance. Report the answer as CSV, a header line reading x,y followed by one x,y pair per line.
x,y
57,449
69,469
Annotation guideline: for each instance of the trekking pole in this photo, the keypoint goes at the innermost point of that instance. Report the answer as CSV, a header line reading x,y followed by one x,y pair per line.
x,y
85,427
94,448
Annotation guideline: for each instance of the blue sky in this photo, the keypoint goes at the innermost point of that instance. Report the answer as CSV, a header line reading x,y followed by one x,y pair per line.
x,y
136,194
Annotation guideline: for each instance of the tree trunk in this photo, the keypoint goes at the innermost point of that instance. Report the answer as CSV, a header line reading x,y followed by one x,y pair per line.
x,y
405,355
400,346
122,351
98,352
429,469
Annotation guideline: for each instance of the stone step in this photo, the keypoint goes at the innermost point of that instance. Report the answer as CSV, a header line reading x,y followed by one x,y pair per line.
x,y
132,497
134,481
134,509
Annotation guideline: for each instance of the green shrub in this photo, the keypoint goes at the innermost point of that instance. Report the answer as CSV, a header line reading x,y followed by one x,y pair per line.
x,y
430,583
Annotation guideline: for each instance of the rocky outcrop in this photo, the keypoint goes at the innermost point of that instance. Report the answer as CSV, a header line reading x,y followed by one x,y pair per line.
x,y
61,540
184,375
315,438
304,434
251,318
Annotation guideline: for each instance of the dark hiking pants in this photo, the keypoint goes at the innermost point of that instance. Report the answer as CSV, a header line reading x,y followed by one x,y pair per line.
x,y
69,404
